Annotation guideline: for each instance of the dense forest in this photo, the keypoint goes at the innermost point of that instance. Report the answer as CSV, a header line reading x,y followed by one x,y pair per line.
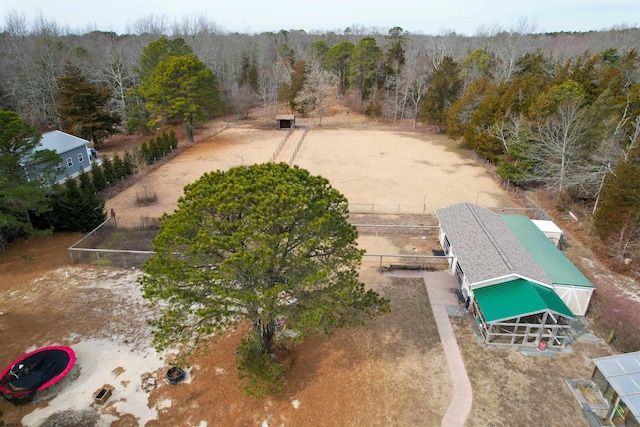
x,y
552,111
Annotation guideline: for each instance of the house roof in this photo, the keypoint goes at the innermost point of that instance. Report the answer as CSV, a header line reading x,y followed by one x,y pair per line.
x,y
622,371
285,117
547,226
518,298
485,246
61,142
560,270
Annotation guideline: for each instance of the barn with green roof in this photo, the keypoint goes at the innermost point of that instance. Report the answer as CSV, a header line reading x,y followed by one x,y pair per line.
x,y
519,286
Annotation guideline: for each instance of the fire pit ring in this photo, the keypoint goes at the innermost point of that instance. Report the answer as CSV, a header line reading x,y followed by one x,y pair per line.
x,y
175,375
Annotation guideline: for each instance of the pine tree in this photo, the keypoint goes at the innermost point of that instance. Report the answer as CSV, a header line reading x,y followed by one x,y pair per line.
x,y
97,176
145,153
155,151
109,173
182,88
365,66
82,107
271,230
173,139
129,167
443,91
21,196
75,209
86,183
619,204
118,167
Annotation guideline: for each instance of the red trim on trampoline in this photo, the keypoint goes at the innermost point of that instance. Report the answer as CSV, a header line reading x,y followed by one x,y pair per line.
x,y
52,381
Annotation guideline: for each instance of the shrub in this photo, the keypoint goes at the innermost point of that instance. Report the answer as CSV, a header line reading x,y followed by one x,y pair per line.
x,y
263,376
98,178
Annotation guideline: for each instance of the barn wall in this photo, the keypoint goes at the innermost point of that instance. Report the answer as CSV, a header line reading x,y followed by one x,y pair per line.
x,y
576,298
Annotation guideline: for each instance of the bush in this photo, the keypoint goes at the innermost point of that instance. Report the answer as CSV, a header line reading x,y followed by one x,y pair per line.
x,y
73,209
98,178
262,375
109,172
118,167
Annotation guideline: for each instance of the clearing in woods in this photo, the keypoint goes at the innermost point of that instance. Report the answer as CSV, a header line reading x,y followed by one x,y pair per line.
x,y
391,372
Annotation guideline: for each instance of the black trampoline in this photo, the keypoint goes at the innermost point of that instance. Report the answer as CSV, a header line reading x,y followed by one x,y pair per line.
x,y
35,371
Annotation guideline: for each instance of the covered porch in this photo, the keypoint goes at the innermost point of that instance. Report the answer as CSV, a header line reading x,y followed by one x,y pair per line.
x,y
521,313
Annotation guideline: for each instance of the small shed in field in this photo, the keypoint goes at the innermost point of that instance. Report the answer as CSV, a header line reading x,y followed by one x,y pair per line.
x,y
285,121
520,288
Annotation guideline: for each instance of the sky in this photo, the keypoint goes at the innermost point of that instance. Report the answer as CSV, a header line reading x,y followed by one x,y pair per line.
x,y
416,16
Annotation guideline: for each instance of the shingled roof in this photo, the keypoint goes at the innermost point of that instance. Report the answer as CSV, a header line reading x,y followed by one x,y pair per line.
x,y
485,246
61,142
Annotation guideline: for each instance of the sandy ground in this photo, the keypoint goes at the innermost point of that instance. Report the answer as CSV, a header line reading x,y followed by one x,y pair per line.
x,y
391,372
383,171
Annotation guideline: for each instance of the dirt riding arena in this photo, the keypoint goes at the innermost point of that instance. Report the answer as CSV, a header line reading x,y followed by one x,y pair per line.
x,y
390,373
383,171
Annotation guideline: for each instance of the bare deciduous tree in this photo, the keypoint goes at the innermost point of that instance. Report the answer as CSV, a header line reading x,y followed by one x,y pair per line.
x,y
316,88
625,242
414,81
560,150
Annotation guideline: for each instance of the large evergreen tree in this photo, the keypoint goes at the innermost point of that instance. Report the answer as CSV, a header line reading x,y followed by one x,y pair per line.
x,y
82,107
365,67
337,61
444,89
154,53
268,243
182,88
289,92
23,171
158,51
617,218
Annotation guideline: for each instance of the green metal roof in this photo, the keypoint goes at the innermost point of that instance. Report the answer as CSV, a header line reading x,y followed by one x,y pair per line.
x,y
518,298
555,264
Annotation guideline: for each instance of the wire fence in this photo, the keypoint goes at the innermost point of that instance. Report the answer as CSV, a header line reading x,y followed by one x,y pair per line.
x,y
295,151
419,207
110,245
388,208
407,262
395,229
280,146
126,245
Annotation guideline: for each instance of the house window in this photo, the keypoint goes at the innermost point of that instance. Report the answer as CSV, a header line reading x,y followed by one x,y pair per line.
x,y
69,162
80,157
446,246
459,274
